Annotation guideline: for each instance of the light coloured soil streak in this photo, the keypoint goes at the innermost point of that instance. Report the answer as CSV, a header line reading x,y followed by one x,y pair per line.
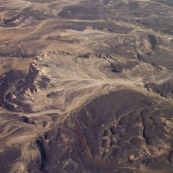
x,y
89,155
75,80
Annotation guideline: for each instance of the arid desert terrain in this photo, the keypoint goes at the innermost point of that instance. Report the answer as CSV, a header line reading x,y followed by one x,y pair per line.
x,y
86,86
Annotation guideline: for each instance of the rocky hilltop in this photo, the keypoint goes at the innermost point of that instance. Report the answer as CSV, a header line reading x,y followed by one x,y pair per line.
x,y
86,86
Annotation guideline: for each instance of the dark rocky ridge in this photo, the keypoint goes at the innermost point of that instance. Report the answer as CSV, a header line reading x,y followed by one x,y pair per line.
x,y
119,67
81,50
165,89
8,157
13,85
153,41
124,128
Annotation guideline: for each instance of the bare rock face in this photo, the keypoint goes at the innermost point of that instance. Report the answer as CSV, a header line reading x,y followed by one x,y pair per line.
x,y
13,85
164,89
123,131
86,86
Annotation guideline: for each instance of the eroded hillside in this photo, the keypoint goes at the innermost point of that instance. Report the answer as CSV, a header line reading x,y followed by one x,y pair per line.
x,y
86,86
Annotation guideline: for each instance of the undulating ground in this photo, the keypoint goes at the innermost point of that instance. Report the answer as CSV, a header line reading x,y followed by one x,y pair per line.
x,y
86,86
